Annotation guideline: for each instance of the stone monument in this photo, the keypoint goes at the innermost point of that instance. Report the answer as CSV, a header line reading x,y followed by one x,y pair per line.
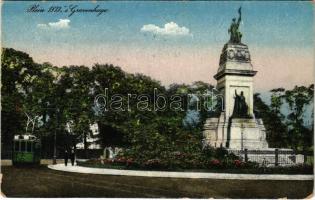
x,y
236,127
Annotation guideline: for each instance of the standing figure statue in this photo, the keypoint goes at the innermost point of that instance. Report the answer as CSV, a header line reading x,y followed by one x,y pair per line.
x,y
240,106
236,35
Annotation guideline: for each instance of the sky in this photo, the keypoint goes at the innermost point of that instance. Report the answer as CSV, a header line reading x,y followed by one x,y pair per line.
x,y
173,42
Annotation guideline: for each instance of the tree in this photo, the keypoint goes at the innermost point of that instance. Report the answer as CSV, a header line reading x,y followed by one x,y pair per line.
x,y
276,130
297,99
277,101
25,85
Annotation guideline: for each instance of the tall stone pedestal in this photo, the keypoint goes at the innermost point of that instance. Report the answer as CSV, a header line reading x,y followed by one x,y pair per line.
x,y
235,133
246,134
235,74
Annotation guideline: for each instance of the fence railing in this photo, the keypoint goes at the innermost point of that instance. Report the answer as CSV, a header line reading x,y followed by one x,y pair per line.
x,y
272,157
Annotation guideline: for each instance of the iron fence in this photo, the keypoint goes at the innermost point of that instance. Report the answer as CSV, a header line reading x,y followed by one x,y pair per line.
x,y
270,157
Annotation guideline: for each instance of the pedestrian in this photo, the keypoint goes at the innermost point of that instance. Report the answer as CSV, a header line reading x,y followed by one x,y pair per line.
x,y
72,156
66,157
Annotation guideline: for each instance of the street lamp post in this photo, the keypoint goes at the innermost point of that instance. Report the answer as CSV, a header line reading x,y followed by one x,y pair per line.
x,y
55,139
55,148
242,137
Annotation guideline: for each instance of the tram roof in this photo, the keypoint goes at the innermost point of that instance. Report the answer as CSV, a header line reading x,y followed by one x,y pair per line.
x,y
25,137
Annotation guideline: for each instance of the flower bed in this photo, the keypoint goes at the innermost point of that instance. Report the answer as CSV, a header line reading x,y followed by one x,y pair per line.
x,y
209,160
215,166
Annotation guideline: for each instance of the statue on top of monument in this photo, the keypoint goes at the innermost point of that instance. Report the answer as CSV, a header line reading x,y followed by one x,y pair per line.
x,y
240,107
236,35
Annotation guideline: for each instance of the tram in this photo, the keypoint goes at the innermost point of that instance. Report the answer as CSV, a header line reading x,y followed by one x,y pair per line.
x,y
26,150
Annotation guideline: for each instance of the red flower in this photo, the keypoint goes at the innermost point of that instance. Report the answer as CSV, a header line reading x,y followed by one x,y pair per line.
x,y
238,163
120,160
215,162
129,161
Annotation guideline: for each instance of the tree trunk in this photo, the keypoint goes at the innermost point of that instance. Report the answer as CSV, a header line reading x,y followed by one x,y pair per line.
x,y
85,144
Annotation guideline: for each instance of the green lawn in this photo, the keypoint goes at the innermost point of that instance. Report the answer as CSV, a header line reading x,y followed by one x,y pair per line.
x,y
43,182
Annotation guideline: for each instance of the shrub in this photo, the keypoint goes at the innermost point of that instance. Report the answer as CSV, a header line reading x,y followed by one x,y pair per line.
x,y
208,152
153,164
251,165
93,161
220,153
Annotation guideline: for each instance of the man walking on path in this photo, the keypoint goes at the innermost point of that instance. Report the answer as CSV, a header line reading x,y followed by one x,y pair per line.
x,y
66,158
72,156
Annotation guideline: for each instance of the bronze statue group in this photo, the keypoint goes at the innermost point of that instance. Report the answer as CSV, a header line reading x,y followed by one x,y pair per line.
x,y
236,35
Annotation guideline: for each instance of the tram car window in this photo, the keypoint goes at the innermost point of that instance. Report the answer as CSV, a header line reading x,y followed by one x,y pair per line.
x,y
26,150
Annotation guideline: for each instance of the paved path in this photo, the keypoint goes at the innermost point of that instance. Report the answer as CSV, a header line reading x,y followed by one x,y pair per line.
x,y
40,181
195,175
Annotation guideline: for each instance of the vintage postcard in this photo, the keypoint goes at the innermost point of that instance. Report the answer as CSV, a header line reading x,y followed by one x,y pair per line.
x,y
157,99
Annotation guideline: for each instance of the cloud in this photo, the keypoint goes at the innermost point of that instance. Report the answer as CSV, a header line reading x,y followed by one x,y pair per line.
x,y
61,24
170,28
42,25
